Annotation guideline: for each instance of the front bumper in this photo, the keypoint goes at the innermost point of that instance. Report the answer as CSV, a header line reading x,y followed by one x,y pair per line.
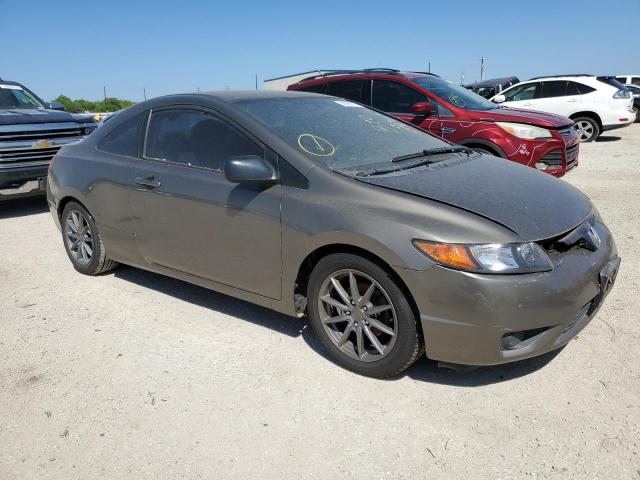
x,y
465,317
22,181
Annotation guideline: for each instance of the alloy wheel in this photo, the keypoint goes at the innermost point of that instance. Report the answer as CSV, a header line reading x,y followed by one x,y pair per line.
x,y
585,130
79,237
357,315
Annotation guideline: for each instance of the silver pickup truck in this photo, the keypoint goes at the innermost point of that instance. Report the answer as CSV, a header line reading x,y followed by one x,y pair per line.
x,y
31,132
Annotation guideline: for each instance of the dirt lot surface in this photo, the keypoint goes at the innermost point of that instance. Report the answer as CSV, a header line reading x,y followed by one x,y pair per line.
x,y
132,375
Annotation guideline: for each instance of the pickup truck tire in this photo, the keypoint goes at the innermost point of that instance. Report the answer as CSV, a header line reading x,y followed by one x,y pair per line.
x,y
82,241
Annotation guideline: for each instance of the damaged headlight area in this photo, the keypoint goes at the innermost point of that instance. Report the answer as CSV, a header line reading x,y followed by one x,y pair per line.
x,y
522,130
507,258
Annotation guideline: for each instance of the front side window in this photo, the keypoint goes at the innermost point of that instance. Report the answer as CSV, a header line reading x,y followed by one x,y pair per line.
x,y
16,97
341,135
125,138
394,97
521,92
195,138
351,90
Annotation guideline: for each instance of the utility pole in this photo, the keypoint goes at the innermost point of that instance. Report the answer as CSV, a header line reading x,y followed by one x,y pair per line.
x,y
256,81
144,90
462,78
429,62
104,91
482,68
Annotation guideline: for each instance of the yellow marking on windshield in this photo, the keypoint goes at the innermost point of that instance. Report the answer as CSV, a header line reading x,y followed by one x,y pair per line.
x,y
315,145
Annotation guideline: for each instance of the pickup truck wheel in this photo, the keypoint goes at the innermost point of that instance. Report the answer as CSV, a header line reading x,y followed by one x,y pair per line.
x,y
83,242
362,317
588,128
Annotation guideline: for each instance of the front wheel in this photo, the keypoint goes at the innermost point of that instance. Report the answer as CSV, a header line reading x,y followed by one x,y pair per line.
x,y
588,128
362,317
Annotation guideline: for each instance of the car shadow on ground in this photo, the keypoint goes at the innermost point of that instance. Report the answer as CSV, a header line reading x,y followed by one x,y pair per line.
x,y
21,207
211,300
428,371
607,138
424,370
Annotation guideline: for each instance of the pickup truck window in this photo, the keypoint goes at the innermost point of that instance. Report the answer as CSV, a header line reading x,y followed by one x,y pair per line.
x,y
16,97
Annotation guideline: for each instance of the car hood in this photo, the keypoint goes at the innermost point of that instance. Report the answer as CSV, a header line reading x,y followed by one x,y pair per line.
x,y
534,205
17,116
505,114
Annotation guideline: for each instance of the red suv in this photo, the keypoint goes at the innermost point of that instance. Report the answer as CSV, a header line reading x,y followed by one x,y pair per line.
x,y
544,141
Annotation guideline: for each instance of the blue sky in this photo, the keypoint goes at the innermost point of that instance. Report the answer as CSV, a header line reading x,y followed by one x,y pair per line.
x,y
76,48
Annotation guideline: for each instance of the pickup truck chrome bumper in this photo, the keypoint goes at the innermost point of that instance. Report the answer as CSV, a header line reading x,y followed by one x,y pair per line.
x,y
26,187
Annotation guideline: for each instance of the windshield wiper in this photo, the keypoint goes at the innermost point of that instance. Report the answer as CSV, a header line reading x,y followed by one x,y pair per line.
x,y
433,151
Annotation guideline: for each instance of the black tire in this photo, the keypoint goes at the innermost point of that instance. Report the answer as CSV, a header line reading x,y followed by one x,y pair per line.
x,y
638,115
589,133
98,262
407,345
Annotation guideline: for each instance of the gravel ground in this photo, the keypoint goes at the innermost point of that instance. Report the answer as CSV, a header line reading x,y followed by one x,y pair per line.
x,y
132,375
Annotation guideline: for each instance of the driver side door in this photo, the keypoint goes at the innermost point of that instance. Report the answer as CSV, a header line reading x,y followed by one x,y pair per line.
x,y
522,96
396,99
188,217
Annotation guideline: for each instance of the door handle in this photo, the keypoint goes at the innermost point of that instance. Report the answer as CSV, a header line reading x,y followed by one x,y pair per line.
x,y
150,182
572,100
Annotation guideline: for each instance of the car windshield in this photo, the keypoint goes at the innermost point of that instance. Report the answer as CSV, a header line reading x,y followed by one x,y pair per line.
x,y
16,97
454,94
344,136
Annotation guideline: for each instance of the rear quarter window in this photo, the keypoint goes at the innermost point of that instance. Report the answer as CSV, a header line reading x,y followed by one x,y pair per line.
x,y
351,90
319,88
125,138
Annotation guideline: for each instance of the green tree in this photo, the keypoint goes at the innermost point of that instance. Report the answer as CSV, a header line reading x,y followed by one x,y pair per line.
x,y
110,104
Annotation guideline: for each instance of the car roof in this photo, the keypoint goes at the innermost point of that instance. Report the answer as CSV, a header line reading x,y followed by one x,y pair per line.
x,y
232,96
384,72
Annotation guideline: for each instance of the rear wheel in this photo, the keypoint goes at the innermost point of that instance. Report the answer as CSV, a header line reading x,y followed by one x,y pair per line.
x,y
362,317
588,128
83,242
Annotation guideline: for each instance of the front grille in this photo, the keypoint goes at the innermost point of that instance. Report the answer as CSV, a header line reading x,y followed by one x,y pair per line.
x,y
35,144
12,157
40,134
567,132
554,159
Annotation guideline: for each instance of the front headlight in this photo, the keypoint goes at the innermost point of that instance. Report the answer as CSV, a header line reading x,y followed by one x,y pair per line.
x,y
521,130
488,257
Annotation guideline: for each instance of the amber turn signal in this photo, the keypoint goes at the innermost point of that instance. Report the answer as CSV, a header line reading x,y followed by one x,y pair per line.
x,y
449,254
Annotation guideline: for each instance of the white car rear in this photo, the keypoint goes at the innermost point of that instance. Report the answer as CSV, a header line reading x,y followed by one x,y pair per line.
x,y
595,104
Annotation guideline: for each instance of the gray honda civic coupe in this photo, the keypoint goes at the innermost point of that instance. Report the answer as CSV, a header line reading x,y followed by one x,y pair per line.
x,y
394,242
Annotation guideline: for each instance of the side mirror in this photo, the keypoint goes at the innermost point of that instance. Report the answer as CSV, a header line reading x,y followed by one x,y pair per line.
x,y
250,169
56,106
422,108
499,99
